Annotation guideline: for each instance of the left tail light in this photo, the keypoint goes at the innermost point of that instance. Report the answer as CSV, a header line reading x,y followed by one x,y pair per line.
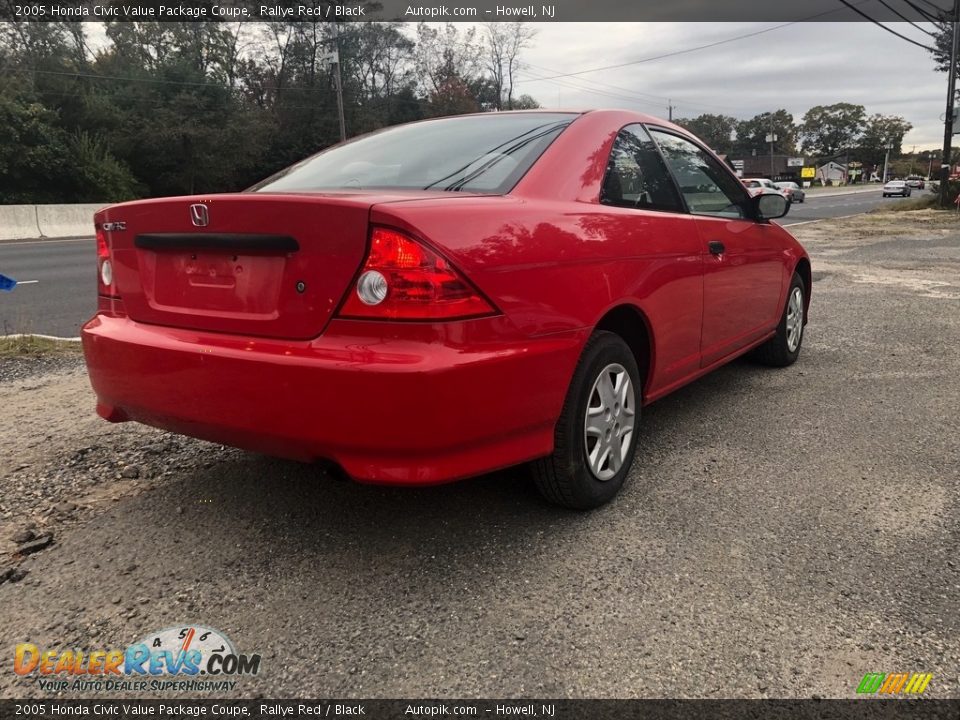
x,y
402,279
106,285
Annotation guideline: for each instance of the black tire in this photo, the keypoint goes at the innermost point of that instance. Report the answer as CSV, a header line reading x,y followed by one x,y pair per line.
x,y
776,351
565,478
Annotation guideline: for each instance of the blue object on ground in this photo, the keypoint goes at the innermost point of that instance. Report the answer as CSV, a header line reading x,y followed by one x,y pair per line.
x,y
6,283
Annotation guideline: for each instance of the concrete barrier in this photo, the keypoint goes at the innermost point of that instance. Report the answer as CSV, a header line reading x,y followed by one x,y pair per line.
x,y
59,221
18,222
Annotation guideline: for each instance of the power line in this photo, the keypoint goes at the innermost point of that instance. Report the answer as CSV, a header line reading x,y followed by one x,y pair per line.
x,y
659,99
879,24
708,45
926,13
904,17
672,54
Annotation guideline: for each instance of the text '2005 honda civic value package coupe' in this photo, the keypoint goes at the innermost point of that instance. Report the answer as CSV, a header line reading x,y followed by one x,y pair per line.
x,y
445,298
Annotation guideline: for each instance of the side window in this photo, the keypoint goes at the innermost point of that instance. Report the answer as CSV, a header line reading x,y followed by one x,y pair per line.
x,y
636,176
706,186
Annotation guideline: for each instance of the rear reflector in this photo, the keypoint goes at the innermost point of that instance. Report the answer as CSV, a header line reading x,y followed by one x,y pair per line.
x,y
404,280
105,285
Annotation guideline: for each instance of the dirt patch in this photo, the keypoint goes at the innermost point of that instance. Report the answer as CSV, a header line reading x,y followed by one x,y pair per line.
x,y
916,252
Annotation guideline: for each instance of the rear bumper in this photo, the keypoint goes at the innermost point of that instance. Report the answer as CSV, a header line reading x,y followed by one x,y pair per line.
x,y
416,405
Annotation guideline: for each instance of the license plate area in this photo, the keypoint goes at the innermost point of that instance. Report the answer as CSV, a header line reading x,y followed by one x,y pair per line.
x,y
213,281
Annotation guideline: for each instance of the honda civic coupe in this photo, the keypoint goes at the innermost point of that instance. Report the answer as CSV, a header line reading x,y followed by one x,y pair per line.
x,y
445,298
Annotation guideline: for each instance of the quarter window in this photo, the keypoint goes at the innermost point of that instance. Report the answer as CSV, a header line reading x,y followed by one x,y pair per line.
x,y
636,176
707,188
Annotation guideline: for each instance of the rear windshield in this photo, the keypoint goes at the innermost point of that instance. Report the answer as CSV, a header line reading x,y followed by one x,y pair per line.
x,y
475,153
751,183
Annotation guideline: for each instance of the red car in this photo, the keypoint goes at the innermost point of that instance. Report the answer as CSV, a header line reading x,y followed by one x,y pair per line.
x,y
445,298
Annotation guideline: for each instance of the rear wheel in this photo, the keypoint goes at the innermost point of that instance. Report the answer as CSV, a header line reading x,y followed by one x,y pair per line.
x,y
784,348
596,436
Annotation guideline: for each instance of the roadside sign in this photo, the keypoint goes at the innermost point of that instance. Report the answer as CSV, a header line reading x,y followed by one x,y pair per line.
x,y
808,172
795,162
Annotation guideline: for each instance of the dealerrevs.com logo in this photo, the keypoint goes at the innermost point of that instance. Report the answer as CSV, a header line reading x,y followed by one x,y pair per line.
x,y
184,658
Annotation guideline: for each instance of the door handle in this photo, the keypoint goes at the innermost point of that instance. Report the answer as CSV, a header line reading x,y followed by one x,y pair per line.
x,y
716,247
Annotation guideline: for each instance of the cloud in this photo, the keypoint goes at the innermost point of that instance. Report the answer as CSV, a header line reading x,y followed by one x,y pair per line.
x,y
795,67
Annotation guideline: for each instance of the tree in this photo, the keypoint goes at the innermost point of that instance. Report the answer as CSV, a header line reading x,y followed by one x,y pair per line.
x,y
880,130
715,130
942,41
505,42
752,134
828,130
446,53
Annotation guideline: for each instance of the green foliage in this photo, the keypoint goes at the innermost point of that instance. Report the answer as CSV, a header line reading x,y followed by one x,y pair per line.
x,y
715,130
829,129
752,134
177,108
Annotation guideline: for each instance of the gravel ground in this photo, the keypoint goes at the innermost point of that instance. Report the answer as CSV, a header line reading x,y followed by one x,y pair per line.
x,y
783,532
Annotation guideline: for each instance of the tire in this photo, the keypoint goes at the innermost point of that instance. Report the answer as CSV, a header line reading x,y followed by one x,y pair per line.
x,y
783,349
566,477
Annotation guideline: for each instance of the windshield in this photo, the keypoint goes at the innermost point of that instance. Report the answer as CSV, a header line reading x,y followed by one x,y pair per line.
x,y
751,183
476,153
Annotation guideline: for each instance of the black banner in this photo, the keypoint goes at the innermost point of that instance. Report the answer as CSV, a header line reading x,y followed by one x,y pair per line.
x,y
858,709
476,10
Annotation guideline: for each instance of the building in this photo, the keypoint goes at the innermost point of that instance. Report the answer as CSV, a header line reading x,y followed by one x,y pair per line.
x,y
833,172
784,167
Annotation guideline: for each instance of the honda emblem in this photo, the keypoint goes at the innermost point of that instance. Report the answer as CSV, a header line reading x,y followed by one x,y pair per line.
x,y
199,215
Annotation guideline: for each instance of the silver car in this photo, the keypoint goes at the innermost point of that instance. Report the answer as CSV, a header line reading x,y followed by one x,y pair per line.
x,y
793,191
896,187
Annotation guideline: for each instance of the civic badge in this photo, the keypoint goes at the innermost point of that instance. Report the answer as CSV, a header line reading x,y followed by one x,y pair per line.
x,y
199,215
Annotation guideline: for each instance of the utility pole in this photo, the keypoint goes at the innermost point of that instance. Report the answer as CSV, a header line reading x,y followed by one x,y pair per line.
x,y
670,107
886,162
948,117
338,79
772,138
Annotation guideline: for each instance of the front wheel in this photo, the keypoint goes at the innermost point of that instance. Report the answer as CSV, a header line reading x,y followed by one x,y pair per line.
x,y
783,349
596,436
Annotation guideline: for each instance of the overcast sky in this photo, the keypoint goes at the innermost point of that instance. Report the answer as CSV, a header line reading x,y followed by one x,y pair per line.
x,y
795,67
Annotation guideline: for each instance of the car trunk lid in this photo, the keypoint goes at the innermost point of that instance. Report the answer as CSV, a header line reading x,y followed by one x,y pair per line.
x,y
253,264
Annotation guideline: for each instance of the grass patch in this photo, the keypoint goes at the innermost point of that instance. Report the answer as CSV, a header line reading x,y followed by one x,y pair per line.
x,y
32,346
927,202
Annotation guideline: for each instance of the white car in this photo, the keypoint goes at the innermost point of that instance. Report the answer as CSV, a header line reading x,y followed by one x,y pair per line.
x,y
896,187
762,186
793,191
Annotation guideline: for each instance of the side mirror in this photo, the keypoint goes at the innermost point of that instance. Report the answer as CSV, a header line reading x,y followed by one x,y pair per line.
x,y
769,206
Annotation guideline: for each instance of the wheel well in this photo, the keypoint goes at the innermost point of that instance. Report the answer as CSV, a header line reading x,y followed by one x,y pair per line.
x,y
630,324
803,270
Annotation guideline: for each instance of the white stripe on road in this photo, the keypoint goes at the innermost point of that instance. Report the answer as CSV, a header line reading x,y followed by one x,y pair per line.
x,y
44,242
16,336
27,282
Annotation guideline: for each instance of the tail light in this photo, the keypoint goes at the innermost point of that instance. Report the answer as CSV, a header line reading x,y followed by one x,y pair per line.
x,y
105,283
402,279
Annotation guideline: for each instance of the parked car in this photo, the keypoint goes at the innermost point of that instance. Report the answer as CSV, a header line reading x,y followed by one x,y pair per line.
x,y
915,181
444,298
792,191
761,186
896,187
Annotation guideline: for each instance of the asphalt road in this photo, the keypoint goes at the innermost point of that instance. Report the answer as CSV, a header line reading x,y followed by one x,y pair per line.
x,y
59,291
841,205
782,533
63,295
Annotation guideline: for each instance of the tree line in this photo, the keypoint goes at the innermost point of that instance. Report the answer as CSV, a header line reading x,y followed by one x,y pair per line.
x,y
825,132
120,110
165,108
